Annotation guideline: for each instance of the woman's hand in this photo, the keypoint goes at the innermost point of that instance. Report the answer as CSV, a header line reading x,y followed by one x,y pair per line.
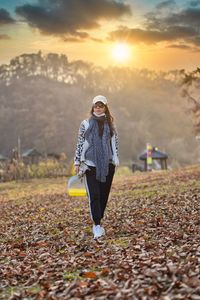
x,y
76,169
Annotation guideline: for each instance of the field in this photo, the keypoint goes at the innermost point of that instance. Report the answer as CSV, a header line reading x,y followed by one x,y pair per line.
x,y
151,249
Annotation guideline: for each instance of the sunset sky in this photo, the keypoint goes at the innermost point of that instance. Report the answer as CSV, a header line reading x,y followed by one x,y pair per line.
x,y
160,35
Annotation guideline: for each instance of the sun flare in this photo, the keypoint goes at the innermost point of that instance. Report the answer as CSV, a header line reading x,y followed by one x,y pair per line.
x,y
121,52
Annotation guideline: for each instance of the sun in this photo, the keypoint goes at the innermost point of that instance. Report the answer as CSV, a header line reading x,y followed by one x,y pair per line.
x,y
121,52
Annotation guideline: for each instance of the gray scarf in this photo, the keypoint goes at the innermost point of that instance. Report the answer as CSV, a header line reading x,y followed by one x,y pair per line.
x,y
100,145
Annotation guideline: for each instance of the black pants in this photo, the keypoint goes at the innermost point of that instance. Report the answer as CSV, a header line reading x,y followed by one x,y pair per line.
x,y
98,192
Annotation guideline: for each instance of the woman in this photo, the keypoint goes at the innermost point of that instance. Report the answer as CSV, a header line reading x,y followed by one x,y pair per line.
x,y
97,148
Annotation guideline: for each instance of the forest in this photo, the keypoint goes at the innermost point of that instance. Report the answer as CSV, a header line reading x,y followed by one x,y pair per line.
x,y
44,98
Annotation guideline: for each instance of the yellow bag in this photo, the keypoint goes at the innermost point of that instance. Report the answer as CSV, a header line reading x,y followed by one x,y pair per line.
x,y
76,186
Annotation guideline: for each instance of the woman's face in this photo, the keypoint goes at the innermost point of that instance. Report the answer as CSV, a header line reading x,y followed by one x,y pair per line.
x,y
99,108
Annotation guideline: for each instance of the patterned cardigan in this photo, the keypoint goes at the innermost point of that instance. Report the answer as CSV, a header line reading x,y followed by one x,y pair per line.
x,y
82,145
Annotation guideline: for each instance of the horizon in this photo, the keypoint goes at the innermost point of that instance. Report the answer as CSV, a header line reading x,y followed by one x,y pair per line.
x,y
119,66
159,36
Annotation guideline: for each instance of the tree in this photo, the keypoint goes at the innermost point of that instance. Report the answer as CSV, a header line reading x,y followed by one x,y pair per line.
x,y
191,85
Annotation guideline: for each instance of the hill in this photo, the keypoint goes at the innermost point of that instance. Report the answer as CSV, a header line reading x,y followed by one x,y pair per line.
x,y
151,249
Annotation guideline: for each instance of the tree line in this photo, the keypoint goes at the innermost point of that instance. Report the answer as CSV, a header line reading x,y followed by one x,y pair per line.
x,y
44,98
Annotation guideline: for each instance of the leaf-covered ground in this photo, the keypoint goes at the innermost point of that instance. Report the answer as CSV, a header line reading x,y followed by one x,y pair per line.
x,y
151,249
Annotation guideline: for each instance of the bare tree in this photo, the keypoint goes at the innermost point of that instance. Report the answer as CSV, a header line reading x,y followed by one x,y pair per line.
x,y
191,86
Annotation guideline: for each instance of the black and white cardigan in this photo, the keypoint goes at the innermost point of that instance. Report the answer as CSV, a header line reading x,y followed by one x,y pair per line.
x,y
82,145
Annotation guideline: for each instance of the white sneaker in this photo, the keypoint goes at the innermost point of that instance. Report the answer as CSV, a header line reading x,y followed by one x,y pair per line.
x,y
98,231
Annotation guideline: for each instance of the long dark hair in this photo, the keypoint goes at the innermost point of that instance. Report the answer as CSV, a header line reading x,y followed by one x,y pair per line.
x,y
109,119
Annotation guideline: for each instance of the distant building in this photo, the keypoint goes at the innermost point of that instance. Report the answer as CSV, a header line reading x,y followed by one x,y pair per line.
x,y
159,159
31,156
54,156
3,158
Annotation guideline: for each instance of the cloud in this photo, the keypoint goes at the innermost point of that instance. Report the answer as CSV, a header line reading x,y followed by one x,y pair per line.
x,y
196,40
169,26
151,36
135,35
4,37
76,37
183,47
194,3
165,4
80,40
5,17
69,18
188,17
